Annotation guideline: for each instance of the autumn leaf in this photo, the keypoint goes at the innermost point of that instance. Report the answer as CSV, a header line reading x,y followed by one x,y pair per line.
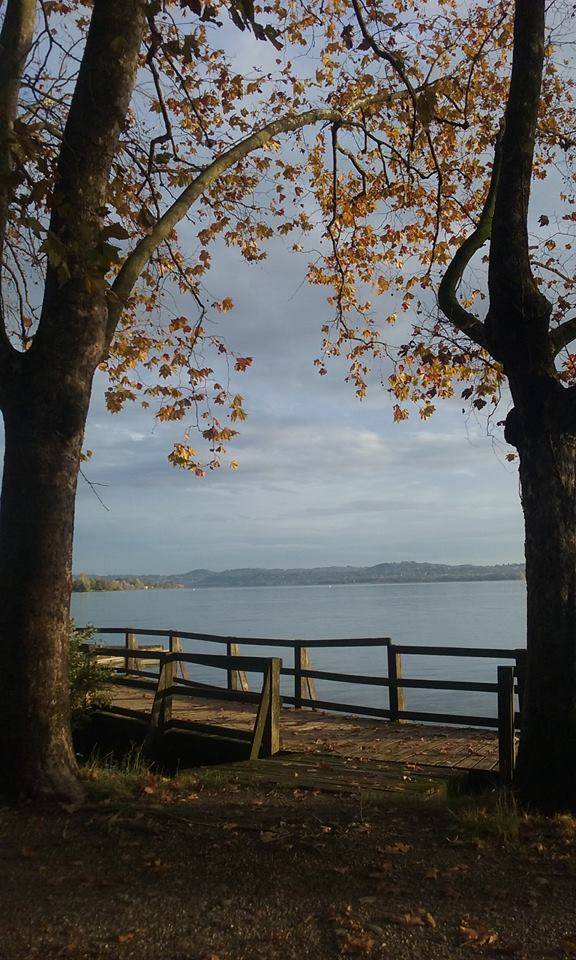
x,y
125,937
420,918
477,936
398,848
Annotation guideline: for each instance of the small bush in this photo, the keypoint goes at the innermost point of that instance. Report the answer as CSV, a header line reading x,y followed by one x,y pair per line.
x,y
88,680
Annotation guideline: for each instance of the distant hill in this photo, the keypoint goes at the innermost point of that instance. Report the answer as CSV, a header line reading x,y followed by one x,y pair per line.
x,y
405,571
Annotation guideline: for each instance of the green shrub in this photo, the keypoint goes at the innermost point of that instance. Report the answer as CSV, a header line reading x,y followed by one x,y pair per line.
x,y
88,680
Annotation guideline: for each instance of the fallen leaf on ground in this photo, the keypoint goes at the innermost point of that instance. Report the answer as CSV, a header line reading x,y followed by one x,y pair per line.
x,y
478,936
421,918
125,937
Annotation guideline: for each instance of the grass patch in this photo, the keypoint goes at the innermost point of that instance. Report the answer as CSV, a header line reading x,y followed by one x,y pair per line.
x,y
116,778
495,817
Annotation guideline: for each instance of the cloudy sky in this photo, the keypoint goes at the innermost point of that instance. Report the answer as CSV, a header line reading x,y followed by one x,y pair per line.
x,y
323,478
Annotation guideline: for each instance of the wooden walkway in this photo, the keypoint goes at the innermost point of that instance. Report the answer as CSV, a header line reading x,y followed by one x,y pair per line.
x,y
195,722
315,732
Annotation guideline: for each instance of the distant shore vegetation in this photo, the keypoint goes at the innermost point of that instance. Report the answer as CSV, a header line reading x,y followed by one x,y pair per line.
x,y
84,583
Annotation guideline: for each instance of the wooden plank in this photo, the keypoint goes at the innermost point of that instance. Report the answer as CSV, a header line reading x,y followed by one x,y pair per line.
x,y
192,689
271,739
308,686
498,653
297,700
161,713
236,679
341,707
224,662
175,646
137,653
131,644
395,693
208,637
251,641
261,716
213,729
473,686
506,737
403,682
356,642
253,664
461,720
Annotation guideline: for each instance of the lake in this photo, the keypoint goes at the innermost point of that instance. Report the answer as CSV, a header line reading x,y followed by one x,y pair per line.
x,y
480,614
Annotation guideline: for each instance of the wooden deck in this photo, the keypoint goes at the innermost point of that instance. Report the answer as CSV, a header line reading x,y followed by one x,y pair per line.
x,y
359,739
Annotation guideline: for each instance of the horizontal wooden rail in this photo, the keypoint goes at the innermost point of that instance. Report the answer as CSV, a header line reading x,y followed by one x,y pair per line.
x,y
497,653
252,664
245,641
404,682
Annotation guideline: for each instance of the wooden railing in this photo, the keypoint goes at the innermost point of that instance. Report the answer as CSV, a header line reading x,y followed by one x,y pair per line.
x,y
509,681
263,739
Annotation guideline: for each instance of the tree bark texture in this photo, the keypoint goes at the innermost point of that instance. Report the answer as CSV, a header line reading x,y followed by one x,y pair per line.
x,y
44,398
43,434
546,769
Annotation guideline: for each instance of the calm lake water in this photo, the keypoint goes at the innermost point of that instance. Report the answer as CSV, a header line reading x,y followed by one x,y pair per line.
x,y
445,614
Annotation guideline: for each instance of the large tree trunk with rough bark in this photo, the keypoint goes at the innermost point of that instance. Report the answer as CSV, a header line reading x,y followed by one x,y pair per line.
x,y
546,772
43,439
542,425
45,394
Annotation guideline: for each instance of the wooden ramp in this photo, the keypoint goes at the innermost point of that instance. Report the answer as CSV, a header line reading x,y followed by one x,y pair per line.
x,y
372,780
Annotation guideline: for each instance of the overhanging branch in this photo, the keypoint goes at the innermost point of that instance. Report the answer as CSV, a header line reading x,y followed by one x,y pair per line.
x,y
135,262
563,335
463,319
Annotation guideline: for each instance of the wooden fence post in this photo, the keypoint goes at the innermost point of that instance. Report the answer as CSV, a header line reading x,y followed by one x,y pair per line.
x,y
271,740
308,684
237,679
175,646
161,713
266,733
131,644
506,725
395,693
297,675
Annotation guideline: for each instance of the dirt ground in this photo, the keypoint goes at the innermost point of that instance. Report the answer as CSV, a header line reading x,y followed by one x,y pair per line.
x,y
204,868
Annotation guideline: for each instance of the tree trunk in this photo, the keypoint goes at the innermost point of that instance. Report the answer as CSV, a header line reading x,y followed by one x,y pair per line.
x,y
43,438
546,770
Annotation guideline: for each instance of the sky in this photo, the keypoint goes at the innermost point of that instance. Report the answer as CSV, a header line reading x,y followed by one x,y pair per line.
x,y
323,478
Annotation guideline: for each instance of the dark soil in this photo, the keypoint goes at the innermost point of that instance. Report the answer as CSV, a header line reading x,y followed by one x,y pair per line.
x,y
203,868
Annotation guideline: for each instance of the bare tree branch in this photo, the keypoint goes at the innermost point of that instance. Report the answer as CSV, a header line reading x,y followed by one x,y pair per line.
x,y
15,42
